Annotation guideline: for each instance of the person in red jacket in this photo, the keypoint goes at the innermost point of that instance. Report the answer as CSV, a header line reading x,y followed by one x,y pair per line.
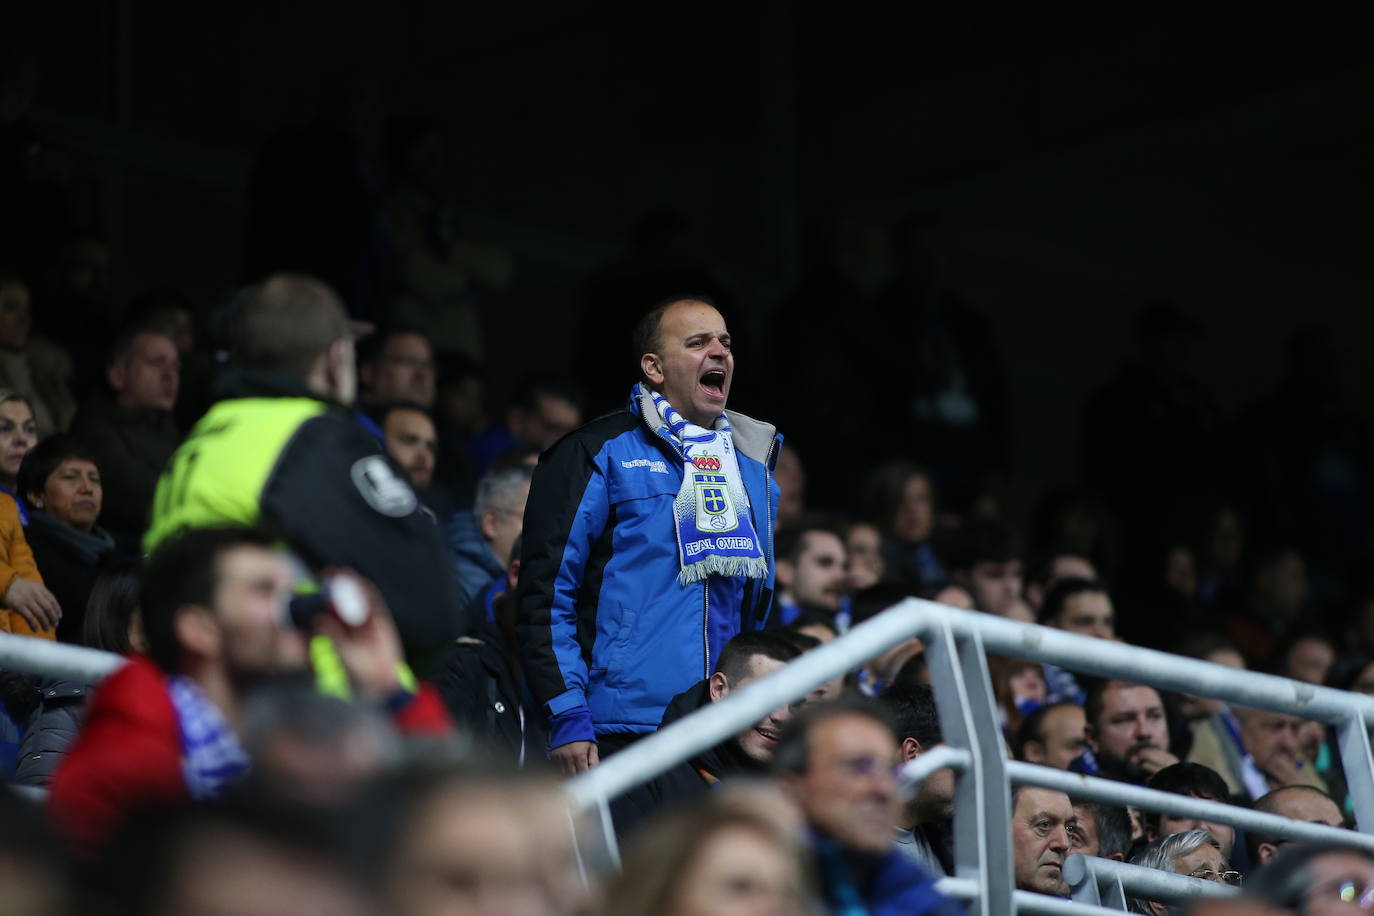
x,y
217,617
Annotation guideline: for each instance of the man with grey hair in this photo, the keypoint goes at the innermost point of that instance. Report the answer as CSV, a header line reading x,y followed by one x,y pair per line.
x,y
482,537
1192,854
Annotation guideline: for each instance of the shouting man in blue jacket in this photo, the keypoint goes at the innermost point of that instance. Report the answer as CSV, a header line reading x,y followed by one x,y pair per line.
x,y
648,542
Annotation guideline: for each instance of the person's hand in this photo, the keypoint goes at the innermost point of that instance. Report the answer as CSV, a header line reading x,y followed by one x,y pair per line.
x,y
1151,760
372,652
1283,769
34,603
575,757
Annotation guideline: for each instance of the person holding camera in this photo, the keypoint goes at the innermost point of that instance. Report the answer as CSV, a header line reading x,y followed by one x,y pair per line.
x,y
220,616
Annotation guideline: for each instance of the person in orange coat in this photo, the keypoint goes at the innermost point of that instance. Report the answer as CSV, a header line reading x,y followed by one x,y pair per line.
x,y
29,609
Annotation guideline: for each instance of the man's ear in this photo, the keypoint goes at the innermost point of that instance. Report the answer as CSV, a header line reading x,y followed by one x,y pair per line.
x,y
1265,852
911,749
783,570
196,630
652,367
1033,751
487,524
1090,737
116,376
718,686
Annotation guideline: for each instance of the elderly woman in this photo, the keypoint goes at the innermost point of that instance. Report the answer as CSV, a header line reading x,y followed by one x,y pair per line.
x,y
1194,854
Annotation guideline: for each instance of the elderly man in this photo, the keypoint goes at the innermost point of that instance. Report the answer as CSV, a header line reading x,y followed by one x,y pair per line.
x,y
1043,828
1255,751
648,542
483,538
838,761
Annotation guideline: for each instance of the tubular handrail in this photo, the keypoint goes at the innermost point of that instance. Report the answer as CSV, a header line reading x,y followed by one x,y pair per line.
x,y
1149,883
54,659
1261,823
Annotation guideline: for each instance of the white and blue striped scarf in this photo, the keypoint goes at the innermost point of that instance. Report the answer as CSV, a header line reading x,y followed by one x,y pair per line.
x,y
211,755
715,534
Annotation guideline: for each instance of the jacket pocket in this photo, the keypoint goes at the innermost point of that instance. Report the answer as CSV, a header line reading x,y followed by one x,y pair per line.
x,y
619,644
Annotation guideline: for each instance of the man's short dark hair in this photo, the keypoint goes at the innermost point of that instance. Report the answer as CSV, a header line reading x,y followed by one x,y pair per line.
x,y
372,347
185,570
284,324
794,745
980,541
1113,826
814,618
123,346
1094,690
1032,728
1063,590
777,645
539,385
46,457
1192,779
791,539
1269,804
913,708
380,413
644,339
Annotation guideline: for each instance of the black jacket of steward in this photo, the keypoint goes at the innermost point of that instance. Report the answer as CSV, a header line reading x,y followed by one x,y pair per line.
x,y
270,453
689,779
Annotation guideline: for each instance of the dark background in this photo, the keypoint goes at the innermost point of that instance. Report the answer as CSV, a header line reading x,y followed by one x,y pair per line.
x,y
1082,158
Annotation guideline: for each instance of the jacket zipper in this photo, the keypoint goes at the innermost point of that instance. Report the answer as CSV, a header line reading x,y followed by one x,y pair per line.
x,y
706,623
768,500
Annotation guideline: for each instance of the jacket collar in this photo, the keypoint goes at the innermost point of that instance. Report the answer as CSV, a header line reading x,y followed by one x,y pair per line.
x,y
753,438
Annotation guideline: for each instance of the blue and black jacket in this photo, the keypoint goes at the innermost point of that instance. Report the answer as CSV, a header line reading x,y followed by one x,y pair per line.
x,y
608,635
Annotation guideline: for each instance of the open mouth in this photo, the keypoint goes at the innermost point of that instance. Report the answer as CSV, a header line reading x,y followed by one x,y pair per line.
x,y
713,383
767,734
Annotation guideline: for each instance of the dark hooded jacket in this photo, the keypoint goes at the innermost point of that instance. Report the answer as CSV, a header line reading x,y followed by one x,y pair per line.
x,y
69,560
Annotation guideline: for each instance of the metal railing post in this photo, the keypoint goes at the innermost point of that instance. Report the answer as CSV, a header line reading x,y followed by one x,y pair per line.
x,y
1352,736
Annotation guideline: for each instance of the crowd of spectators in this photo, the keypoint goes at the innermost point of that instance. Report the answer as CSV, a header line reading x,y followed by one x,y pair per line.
x,y
372,620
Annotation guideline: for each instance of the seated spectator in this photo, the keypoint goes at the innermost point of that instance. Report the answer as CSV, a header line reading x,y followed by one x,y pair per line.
x,y
1194,854
61,485
35,369
1127,731
983,558
1079,606
1195,781
18,434
747,657
1256,751
170,311
482,539
409,436
924,831
1052,736
837,760
864,543
29,609
545,409
1103,830
1316,879
1298,803
1018,686
131,432
1307,657
480,680
396,365
1052,570
113,620
899,500
812,569
711,859
1043,825
162,728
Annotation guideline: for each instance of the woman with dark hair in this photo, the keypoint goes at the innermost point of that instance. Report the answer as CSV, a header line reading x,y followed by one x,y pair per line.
x,y
899,500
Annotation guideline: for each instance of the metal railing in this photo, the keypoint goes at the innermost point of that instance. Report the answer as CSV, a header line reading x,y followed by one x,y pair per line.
x,y
54,659
956,644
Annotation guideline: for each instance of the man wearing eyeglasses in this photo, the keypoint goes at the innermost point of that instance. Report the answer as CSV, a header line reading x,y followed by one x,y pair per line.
x,y
1317,879
839,760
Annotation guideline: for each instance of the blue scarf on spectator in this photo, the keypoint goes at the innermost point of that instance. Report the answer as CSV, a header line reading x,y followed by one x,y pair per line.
x,y
715,535
211,756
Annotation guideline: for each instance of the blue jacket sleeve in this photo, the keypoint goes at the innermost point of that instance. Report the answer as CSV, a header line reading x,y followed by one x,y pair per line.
x,y
566,514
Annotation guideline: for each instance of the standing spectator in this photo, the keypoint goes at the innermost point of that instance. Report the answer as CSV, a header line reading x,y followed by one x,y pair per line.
x,y
396,365
131,436
838,761
283,450
35,369
482,539
626,593
62,486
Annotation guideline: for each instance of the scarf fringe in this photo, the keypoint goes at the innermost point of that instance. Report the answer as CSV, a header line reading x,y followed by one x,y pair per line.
x,y
752,567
